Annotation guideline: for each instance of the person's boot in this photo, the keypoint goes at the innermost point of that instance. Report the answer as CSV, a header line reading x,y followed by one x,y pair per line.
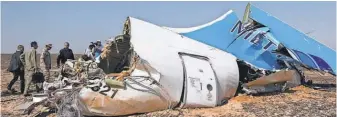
x,y
26,95
22,86
9,87
39,87
12,91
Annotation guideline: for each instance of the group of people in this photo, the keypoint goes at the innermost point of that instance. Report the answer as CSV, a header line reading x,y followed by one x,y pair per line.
x,y
94,51
25,65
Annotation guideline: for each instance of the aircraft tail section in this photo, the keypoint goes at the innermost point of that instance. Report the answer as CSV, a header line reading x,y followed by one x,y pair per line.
x,y
318,54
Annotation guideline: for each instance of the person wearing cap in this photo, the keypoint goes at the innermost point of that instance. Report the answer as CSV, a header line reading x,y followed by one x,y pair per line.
x,y
45,62
17,68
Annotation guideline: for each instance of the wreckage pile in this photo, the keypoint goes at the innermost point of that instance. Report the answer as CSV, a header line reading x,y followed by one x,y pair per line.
x,y
75,91
134,76
80,81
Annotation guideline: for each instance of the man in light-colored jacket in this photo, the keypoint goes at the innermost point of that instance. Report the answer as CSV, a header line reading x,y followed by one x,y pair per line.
x,y
45,62
89,52
29,59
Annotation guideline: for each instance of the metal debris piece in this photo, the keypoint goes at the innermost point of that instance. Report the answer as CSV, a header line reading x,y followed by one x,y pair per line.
x,y
39,97
114,84
276,82
281,76
24,106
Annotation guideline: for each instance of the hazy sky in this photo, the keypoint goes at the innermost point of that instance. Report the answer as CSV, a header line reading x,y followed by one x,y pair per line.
x,y
83,22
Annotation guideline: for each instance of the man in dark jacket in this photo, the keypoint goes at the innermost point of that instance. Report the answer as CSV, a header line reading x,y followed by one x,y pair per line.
x,y
65,54
17,68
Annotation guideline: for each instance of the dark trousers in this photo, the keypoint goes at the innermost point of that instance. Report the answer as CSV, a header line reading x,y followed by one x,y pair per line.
x,y
16,75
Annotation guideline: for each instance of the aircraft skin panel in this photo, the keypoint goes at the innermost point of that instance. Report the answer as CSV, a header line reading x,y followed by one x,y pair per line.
x,y
305,59
238,42
321,63
242,46
293,38
191,29
161,49
255,49
215,33
149,39
201,89
223,33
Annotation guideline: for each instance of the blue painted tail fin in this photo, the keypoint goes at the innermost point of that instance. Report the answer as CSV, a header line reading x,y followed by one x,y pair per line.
x,y
307,49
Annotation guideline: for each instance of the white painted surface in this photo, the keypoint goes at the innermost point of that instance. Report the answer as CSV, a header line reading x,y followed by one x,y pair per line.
x,y
160,48
191,29
293,55
199,76
134,99
39,98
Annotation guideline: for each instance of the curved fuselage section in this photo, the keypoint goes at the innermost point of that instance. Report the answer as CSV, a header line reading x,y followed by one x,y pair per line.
x,y
189,74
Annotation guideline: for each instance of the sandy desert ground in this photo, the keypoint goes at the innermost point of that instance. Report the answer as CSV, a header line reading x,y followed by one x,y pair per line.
x,y
300,101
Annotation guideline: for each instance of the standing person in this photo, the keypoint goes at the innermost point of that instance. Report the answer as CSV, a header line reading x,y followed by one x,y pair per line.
x,y
98,48
65,54
31,67
17,68
45,62
92,43
89,52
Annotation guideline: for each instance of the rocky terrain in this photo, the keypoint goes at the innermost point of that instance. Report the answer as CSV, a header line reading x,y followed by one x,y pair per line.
x,y
300,101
